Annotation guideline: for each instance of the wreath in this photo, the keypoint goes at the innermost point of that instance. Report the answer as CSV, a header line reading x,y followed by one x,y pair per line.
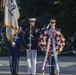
x,y
59,44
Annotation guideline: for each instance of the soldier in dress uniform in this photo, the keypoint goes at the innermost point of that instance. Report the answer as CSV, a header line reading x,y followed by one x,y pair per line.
x,y
51,57
52,61
14,52
73,40
54,45
1,36
31,38
74,43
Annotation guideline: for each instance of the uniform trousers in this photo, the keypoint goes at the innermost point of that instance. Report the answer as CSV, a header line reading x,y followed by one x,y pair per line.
x,y
32,61
14,63
0,46
51,63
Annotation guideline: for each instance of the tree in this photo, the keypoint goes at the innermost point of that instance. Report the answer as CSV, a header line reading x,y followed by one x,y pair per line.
x,y
43,10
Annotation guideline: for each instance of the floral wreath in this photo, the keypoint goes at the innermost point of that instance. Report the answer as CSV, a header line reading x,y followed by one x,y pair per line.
x,y
60,41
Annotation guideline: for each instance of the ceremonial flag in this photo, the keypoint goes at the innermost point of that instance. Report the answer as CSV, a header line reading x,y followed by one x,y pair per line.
x,y
1,3
11,18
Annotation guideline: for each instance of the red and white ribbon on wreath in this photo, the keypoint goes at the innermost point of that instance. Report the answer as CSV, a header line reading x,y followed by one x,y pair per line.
x,y
60,41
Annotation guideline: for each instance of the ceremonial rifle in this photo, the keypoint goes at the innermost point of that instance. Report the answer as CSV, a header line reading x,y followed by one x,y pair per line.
x,y
30,36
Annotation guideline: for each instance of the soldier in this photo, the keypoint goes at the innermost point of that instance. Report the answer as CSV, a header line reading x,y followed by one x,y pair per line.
x,y
51,57
54,45
14,52
1,36
31,35
74,43
58,40
73,40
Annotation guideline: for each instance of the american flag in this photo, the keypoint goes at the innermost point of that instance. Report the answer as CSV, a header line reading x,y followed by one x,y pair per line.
x,y
11,18
1,3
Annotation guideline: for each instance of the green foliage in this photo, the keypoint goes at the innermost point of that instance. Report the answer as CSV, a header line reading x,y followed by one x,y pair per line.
x,y
63,10
43,10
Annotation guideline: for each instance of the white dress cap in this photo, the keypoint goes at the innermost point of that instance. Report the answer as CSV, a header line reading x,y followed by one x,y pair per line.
x,y
32,19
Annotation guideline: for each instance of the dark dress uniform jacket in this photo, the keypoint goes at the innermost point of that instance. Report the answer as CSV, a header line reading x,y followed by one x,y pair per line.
x,y
34,39
14,51
74,42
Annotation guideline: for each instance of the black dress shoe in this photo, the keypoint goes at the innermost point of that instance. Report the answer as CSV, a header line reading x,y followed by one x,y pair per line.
x,y
52,74
14,73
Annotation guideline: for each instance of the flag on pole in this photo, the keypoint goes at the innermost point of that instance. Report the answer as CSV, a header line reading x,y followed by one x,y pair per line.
x,y
11,18
1,3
